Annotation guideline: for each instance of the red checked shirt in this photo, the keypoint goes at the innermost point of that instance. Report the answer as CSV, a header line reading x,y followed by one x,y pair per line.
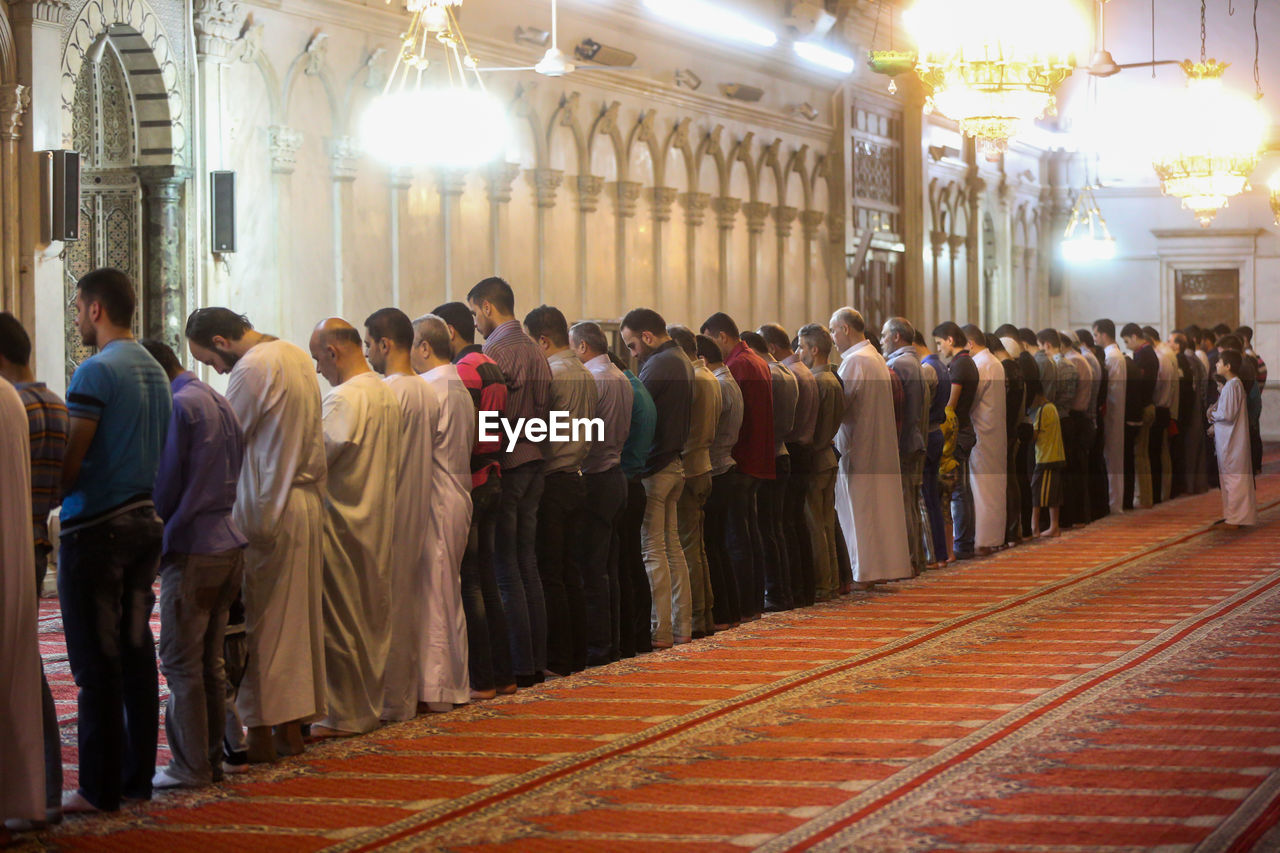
x,y
754,451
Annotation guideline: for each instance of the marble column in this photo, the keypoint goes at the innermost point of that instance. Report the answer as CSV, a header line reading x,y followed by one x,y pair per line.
x,y
660,201
344,161
14,101
399,179
975,186
783,219
545,182
726,209
450,183
588,189
937,242
955,245
283,143
626,194
498,181
695,213
166,312
811,223
757,212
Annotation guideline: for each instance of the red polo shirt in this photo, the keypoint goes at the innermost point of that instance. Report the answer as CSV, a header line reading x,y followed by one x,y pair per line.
x,y
754,450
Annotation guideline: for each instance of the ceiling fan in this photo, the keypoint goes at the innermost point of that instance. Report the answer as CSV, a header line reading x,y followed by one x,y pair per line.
x,y
555,63
1103,64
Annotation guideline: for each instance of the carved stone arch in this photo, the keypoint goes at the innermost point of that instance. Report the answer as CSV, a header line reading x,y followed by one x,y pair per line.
x,y
523,108
646,134
8,59
937,203
821,170
796,166
956,201
678,140
154,76
1020,231
711,147
741,153
566,116
606,124
771,159
311,62
249,49
373,79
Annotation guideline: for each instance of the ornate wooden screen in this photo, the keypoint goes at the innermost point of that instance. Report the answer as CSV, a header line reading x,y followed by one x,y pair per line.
x,y
1207,298
876,207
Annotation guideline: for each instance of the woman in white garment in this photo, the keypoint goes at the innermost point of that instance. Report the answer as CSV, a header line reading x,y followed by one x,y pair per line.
x,y
1230,419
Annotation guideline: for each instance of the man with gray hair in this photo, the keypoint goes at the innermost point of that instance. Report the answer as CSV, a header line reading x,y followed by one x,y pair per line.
x,y
605,490
815,350
444,664
869,485
897,339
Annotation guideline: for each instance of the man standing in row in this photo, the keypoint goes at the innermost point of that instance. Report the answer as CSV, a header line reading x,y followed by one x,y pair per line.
x,y
800,449
389,342
990,453
897,338
815,349
728,536
777,575
362,448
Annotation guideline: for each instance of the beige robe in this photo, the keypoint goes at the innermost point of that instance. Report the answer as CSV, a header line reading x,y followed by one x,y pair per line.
x,y
869,481
410,552
362,445
989,462
1230,418
1113,427
276,397
21,747
444,630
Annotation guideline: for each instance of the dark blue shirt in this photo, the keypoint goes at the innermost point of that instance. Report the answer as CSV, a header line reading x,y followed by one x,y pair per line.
x,y
126,392
644,420
942,396
196,483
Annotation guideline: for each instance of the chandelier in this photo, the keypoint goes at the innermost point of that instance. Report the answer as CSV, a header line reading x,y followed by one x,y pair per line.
x,y
1087,237
1213,141
435,111
1274,186
993,65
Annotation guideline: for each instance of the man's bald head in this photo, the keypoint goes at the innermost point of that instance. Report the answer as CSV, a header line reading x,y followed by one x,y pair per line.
x,y
337,349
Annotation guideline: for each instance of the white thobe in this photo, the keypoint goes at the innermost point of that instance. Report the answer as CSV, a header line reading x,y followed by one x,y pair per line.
x,y
444,626
869,485
1113,426
410,552
1235,460
21,747
362,445
989,463
276,397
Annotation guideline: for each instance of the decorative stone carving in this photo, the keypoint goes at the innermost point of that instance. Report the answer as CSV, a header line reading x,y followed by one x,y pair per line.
x,y
375,77
499,179
400,178
756,212
39,11
937,240
216,23
344,159
250,43
625,196
726,209
680,134
165,264
451,182
644,131
783,217
545,182
14,101
569,109
589,188
660,201
695,207
609,118
317,50
284,142
835,228
956,242
811,222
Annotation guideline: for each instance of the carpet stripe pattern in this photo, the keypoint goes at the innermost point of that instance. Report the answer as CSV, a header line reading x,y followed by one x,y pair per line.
x,y
1112,689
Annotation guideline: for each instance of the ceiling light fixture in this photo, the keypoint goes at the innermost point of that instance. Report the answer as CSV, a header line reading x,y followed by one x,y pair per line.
x,y
1274,186
825,57
435,112
1087,238
713,20
994,65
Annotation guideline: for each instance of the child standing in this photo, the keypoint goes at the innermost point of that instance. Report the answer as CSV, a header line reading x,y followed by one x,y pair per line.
x,y
1046,482
1230,418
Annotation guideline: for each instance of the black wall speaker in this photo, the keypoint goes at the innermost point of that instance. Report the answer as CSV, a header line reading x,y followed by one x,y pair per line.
x,y
222,221
61,173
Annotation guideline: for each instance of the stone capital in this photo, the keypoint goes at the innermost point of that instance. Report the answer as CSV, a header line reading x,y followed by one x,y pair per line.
x,y
756,212
400,178
284,143
344,159
956,242
40,12
588,188
811,221
660,201
937,239
217,25
625,196
835,228
163,183
15,98
499,179
451,182
695,207
726,210
545,182
783,218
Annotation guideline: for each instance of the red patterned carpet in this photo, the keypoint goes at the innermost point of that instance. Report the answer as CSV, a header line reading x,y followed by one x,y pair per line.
x,y
1118,688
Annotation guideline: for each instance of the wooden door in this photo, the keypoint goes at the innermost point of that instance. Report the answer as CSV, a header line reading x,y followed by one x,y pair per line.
x,y
1207,297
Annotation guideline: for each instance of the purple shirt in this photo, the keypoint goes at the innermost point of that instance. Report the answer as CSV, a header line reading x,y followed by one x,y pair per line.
x,y
528,384
199,468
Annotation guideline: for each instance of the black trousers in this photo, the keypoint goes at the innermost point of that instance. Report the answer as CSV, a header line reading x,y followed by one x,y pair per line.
x,y
559,534
105,578
1159,435
753,592
606,497
799,536
634,598
1078,439
1024,464
1130,470
1013,496
489,657
777,568
728,540
1099,489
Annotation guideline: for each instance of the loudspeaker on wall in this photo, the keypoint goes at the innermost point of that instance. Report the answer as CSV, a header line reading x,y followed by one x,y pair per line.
x,y
222,219
60,180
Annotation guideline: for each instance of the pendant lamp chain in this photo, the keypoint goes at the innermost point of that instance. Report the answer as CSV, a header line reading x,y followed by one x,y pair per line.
x,y
1202,31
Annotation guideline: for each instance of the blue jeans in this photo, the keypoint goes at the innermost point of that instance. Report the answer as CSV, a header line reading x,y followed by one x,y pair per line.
x,y
105,578
516,565
489,661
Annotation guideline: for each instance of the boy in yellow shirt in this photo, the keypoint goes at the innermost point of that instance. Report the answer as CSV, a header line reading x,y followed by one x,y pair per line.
x,y
1046,482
